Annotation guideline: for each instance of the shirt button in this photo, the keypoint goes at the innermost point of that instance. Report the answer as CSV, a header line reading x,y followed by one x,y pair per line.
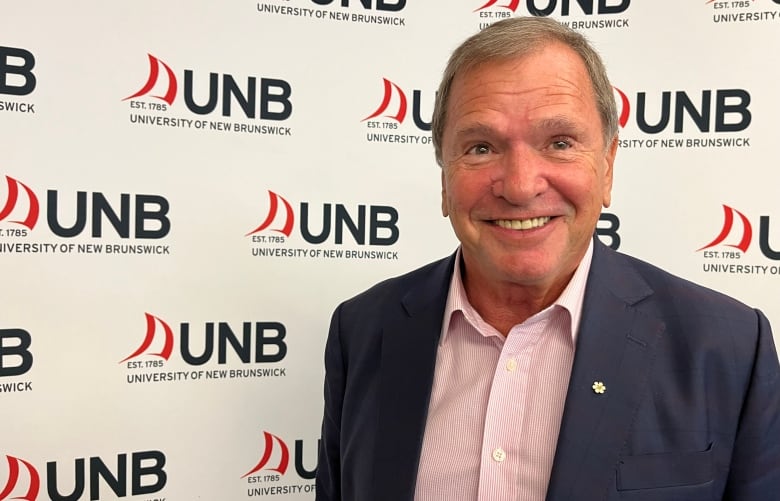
x,y
511,365
499,455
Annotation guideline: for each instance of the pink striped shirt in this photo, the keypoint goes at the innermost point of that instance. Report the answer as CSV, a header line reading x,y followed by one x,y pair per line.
x,y
496,403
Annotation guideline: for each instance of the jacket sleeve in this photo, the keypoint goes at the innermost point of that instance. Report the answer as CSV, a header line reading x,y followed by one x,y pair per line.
x,y
328,481
755,464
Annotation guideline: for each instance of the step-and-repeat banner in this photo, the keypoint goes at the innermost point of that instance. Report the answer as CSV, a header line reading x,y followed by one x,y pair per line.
x,y
188,189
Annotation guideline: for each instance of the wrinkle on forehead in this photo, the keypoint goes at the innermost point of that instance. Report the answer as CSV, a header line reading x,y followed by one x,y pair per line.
x,y
493,86
566,73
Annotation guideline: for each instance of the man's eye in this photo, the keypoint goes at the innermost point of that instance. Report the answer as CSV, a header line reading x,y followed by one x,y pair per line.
x,y
560,144
479,149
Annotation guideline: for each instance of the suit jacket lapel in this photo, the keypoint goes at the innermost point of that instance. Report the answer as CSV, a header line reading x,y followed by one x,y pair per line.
x,y
409,346
615,345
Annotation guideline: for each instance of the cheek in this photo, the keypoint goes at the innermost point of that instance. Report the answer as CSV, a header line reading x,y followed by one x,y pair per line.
x,y
458,196
449,189
465,188
583,188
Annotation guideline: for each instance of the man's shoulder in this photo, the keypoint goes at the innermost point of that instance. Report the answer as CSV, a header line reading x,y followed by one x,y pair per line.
x,y
433,276
681,293
699,323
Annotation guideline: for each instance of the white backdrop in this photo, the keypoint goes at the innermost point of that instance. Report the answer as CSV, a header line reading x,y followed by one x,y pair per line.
x,y
162,325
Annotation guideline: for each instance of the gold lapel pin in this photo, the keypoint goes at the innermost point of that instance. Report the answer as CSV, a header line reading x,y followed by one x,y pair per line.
x,y
599,387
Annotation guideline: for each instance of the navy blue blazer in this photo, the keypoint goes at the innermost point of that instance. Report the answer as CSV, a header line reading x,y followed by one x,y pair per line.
x,y
691,412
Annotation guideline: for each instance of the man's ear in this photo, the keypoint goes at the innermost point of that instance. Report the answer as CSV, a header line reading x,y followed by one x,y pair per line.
x,y
609,161
444,211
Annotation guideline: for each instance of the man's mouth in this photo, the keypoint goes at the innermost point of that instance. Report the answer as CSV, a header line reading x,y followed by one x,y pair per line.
x,y
522,224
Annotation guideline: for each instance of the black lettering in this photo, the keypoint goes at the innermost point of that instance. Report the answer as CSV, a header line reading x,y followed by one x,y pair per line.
x,y
81,214
262,341
763,240
208,349
683,103
740,108
305,233
299,468
189,99
610,231
621,6
98,469
24,71
20,350
120,223
226,334
418,121
383,224
142,215
154,470
641,121
51,482
281,97
536,11
247,103
585,5
393,7
358,230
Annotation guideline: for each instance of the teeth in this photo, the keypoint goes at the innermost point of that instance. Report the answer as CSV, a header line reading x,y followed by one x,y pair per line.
x,y
522,224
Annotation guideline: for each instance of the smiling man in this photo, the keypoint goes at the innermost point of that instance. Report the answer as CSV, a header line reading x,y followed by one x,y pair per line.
x,y
535,363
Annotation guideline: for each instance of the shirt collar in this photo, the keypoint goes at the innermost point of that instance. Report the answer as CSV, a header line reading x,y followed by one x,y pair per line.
x,y
571,299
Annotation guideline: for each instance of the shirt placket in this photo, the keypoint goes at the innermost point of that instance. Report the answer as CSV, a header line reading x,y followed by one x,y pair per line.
x,y
502,438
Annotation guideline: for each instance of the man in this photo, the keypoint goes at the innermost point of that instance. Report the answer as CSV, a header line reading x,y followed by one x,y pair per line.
x,y
536,363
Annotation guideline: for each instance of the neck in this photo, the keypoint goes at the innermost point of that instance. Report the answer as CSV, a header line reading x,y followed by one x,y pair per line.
x,y
504,304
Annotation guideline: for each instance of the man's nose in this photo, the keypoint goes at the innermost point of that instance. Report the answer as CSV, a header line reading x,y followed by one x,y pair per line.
x,y
520,176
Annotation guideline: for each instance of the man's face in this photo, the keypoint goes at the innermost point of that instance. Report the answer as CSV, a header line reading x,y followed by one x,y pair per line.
x,y
526,170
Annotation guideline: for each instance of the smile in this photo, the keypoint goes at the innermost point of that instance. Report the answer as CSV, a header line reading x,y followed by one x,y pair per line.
x,y
522,224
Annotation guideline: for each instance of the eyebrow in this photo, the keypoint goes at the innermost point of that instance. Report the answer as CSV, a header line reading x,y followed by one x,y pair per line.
x,y
558,122
477,128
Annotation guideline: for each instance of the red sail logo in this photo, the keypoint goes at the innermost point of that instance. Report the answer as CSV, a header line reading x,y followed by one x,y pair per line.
x,y
154,73
151,333
284,455
400,114
10,204
728,224
625,108
512,5
289,217
14,470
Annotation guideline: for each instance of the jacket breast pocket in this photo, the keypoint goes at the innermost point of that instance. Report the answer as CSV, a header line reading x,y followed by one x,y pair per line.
x,y
665,470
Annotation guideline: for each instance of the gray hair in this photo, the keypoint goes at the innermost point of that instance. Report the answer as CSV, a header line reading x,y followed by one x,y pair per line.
x,y
516,37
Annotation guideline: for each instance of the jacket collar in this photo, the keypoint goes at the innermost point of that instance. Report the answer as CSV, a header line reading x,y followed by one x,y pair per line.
x,y
615,346
409,345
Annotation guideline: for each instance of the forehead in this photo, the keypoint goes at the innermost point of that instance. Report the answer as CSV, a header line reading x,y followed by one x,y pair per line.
x,y
550,77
